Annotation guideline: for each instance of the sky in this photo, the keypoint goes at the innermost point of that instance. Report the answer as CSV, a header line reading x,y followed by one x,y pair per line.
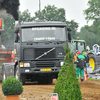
x,y
74,8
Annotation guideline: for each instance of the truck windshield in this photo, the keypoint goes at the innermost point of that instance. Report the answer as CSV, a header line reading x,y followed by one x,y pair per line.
x,y
43,34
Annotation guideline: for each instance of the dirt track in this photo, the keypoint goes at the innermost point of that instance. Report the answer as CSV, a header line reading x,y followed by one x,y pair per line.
x,y
90,91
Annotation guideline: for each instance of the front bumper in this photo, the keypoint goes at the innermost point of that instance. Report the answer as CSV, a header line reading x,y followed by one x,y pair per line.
x,y
29,70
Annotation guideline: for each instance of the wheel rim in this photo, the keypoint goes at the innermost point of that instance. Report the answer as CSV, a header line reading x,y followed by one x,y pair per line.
x,y
92,63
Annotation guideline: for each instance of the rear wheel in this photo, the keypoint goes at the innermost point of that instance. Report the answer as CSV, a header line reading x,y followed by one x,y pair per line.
x,y
92,61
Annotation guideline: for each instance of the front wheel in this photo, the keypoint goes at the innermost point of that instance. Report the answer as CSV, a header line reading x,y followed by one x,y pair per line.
x,y
16,72
22,79
19,76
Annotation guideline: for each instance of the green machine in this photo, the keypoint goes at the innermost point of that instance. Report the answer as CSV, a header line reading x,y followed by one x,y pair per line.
x,y
94,56
77,45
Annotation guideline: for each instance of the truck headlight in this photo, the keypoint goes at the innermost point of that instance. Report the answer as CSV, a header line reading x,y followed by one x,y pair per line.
x,y
26,64
61,63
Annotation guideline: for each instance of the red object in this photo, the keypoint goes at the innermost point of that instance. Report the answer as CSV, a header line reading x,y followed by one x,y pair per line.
x,y
0,24
12,57
85,75
7,56
78,52
54,98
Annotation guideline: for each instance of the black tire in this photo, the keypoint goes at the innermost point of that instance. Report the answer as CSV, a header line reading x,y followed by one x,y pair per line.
x,y
19,76
16,72
92,61
3,73
49,81
23,79
45,81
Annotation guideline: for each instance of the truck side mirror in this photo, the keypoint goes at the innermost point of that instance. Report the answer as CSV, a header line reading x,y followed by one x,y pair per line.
x,y
69,34
16,37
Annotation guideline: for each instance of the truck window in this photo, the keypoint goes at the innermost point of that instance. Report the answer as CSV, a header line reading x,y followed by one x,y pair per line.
x,y
43,34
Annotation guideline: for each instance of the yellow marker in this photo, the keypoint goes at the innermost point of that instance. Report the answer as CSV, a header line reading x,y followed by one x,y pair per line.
x,y
75,57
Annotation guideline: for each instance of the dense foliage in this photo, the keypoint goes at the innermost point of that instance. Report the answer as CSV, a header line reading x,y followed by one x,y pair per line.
x,y
51,13
12,86
67,85
93,11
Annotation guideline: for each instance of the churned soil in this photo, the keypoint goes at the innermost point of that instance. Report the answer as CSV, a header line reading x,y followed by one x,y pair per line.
x,y
33,91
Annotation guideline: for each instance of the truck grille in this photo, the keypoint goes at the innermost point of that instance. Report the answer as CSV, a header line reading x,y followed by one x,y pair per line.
x,y
41,51
31,54
45,64
28,54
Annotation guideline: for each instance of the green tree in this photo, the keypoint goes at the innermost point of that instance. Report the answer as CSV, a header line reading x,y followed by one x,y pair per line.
x,y
25,16
91,33
67,85
87,34
51,13
93,12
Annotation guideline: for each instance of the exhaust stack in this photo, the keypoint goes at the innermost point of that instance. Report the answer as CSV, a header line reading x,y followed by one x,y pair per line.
x,y
11,7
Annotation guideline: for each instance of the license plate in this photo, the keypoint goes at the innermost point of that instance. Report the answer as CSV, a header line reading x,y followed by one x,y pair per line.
x,y
46,69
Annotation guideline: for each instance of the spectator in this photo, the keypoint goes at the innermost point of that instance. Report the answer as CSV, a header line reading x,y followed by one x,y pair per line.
x,y
75,57
86,60
80,66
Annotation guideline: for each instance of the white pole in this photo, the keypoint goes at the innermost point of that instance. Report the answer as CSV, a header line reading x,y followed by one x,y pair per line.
x,y
40,9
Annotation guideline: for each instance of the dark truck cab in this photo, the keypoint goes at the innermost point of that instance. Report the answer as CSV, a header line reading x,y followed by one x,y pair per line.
x,y
39,52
